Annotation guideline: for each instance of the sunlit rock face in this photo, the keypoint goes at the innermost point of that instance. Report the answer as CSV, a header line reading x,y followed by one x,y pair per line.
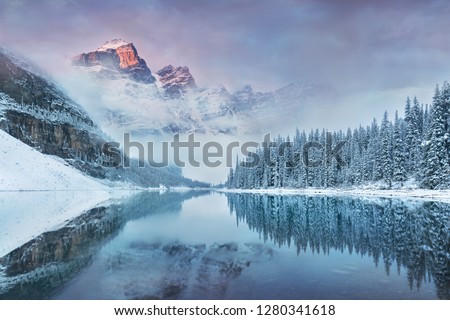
x,y
177,80
120,56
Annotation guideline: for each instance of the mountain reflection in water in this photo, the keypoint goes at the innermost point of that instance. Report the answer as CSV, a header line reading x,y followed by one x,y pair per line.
x,y
190,245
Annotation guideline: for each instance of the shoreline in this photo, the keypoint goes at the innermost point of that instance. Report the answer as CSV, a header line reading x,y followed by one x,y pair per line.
x,y
25,217
413,194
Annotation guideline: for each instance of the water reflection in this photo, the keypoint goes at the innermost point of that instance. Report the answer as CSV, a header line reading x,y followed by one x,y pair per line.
x,y
169,270
160,246
414,235
40,267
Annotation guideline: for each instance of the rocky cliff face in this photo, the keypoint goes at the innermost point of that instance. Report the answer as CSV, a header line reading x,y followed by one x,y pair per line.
x,y
35,111
176,80
117,55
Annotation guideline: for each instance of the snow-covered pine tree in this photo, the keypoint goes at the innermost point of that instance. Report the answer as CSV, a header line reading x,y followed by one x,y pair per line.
x,y
408,133
386,150
373,150
445,100
230,179
414,131
417,147
398,170
435,171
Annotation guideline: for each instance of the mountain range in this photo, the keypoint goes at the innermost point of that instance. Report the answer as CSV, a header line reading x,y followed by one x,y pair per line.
x,y
123,95
115,92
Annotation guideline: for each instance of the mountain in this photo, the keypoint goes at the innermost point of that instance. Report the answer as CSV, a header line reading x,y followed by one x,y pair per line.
x,y
175,81
37,112
117,56
173,103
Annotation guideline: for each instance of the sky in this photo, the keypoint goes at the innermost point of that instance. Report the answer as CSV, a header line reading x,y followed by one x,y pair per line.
x,y
373,53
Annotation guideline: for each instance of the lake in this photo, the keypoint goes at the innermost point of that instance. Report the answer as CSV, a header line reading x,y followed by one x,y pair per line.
x,y
209,245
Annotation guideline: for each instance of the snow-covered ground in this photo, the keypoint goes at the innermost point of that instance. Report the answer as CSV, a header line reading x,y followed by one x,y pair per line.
x,y
24,168
58,193
413,194
25,215
40,193
113,44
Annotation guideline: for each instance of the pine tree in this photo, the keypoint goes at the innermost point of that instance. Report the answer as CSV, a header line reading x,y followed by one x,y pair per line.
x,y
386,150
413,130
399,171
445,100
230,180
373,161
416,147
435,170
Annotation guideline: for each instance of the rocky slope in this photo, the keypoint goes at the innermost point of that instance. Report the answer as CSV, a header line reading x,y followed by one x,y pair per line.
x,y
37,112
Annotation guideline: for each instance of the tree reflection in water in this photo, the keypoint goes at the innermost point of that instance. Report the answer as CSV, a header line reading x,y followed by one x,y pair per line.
x,y
410,234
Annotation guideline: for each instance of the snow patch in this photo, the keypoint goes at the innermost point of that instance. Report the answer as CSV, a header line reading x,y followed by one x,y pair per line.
x,y
25,215
23,168
113,44
417,194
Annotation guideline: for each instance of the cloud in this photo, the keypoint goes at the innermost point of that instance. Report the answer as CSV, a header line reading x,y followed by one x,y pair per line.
x,y
357,46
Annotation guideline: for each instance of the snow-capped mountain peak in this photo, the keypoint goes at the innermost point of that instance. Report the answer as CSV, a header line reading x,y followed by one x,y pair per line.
x,y
117,58
113,44
170,102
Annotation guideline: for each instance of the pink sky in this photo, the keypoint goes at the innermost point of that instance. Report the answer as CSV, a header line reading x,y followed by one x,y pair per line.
x,y
373,52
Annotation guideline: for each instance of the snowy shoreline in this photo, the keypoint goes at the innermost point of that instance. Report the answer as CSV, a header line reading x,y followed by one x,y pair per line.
x,y
413,194
41,193
26,215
